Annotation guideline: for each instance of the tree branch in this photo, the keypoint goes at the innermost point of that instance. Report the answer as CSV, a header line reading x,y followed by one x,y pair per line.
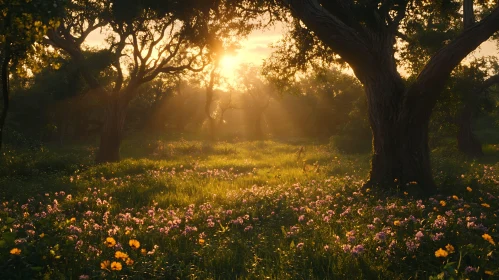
x,y
432,78
341,38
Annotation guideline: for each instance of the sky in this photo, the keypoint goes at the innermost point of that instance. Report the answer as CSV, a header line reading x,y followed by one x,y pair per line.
x,y
256,47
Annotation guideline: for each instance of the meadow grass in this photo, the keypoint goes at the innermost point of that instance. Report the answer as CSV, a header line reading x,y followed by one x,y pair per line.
x,y
187,209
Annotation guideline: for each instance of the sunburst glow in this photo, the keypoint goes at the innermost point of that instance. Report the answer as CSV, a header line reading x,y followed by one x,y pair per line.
x,y
228,67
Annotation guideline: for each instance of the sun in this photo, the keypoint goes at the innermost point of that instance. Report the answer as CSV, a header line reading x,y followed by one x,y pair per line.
x,y
228,67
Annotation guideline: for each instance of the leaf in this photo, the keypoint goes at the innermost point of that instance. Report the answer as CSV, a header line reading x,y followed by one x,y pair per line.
x,y
292,245
449,265
37,268
9,237
10,220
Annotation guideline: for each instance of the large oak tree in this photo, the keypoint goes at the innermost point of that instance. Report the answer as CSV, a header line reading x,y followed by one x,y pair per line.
x,y
365,34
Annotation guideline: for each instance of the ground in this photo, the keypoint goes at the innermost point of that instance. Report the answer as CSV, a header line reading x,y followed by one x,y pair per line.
x,y
188,209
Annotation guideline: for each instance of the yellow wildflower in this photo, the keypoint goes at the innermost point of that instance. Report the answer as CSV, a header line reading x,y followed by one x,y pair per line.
x,y
449,248
129,262
72,220
120,255
441,253
110,242
116,266
469,189
396,223
488,272
485,205
15,251
143,252
105,265
201,241
443,203
455,197
488,238
42,235
135,244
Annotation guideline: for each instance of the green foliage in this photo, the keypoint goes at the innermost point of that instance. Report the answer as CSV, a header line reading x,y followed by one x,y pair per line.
x,y
24,22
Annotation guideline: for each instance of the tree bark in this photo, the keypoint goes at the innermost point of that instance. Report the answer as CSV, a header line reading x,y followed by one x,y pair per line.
x,y
467,142
112,131
400,134
5,89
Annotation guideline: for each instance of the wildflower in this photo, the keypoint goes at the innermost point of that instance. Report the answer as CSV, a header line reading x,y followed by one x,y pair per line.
x,y
116,266
129,262
469,189
419,235
346,248
135,244
15,251
143,252
105,265
485,205
437,236
411,245
120,255
449,248
42,235
72,220
488,238
440,222
469,269
455,197
110,242
396,223
201,241
358,249
443,203
83,277
488,272
380,236
441,253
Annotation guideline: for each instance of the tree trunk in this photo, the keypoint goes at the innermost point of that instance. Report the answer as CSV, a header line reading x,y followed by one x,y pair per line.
x,y
5,89
400,135
112,131
467,142
258,126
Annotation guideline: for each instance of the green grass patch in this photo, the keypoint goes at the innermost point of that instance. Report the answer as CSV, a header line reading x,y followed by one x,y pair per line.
x,y
249,210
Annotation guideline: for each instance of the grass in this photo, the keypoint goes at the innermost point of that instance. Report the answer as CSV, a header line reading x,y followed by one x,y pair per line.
x,y
247,210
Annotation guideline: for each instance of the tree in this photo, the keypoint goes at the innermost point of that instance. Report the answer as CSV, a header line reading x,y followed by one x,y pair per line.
x,y
258,95
23,23
364,35
144,43
467,141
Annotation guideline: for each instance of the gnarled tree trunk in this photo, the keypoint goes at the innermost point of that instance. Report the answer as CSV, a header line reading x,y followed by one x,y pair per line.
x,y
112,131
400,134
